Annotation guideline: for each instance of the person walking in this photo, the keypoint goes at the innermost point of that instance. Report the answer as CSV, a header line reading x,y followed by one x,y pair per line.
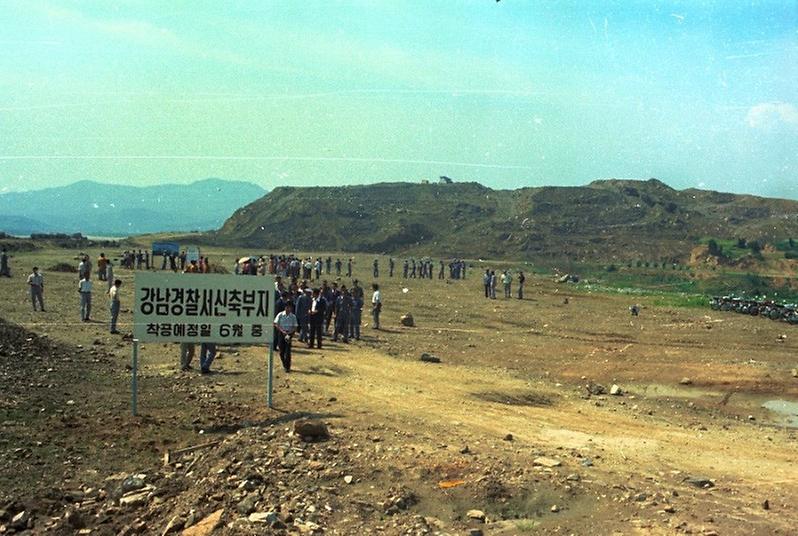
x,y
84,289
285,323
36,284
318,308
486,282
5,270
115,304
376,305
521,280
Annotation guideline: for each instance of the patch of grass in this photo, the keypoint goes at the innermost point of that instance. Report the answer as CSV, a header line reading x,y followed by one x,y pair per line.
x,y
526,525
681,300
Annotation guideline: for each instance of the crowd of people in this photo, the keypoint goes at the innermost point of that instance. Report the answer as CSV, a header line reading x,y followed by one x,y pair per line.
x,y
311,269
490,281
310,313
305,311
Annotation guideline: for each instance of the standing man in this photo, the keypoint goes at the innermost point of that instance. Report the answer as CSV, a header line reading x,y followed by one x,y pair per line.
x,y
376,305
440,271
493,282
102,262
285,324
405,267
36,284
318,308
337,266
343,313
109,274
357,314
486,282
5,270
303,303
376,269
349,267
115,305
84,268
84,288
521,280
507,280
390,266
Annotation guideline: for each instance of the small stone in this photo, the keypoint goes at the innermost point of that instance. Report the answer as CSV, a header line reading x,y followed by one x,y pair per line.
x,y
247,506
478,515
206,526
615,390
555,508
795,373
407,320
509,437
573,477
464,450
686,381
475,532
766,504
669,509
264,517
546,462
132,483
311,430
700,482
135,500
429,358
349,479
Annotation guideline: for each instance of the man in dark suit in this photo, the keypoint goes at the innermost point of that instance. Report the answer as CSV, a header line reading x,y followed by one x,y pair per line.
x,y
318,308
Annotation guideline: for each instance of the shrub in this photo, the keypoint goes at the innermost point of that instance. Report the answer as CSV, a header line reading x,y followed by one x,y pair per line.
x,y
63,267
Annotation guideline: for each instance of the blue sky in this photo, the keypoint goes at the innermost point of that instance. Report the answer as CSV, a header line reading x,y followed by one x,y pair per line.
x,y
514,93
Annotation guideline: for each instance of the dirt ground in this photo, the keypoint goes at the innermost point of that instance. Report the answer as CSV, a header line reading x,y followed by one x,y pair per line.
x,y
686,448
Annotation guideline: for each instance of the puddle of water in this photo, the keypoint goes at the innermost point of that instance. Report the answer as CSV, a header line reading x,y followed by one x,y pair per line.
x,y
787,410
661,391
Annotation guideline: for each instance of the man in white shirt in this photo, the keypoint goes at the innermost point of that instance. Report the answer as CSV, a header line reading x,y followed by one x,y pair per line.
x,y
84,288
285,323
115,305
376,305
36,284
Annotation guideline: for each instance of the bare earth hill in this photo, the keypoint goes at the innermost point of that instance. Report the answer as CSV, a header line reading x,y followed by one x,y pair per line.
x,y
604,220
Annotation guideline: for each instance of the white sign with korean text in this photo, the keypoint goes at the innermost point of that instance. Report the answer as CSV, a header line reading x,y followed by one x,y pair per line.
x,y
225,309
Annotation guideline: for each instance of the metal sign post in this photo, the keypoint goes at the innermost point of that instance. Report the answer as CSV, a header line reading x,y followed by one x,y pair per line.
x,y
270,385
134,382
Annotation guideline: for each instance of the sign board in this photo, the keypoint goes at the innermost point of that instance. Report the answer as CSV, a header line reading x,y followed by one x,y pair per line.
x,y
159,248
192,254
226,309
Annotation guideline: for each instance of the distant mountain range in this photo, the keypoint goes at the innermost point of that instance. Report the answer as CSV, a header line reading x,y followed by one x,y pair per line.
x,y
604,220
99,209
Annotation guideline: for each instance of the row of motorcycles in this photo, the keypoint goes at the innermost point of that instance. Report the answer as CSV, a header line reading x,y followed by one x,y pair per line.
x,y
787,312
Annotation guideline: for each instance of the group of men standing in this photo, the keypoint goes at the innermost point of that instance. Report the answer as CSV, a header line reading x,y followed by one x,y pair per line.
x,y
105,271
310,313
490,281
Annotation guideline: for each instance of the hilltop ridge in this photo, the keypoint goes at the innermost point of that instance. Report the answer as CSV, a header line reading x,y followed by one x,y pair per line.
x,y
606,219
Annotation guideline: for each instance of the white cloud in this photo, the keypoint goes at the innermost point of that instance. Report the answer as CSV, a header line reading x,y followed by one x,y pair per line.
x,y
767,115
